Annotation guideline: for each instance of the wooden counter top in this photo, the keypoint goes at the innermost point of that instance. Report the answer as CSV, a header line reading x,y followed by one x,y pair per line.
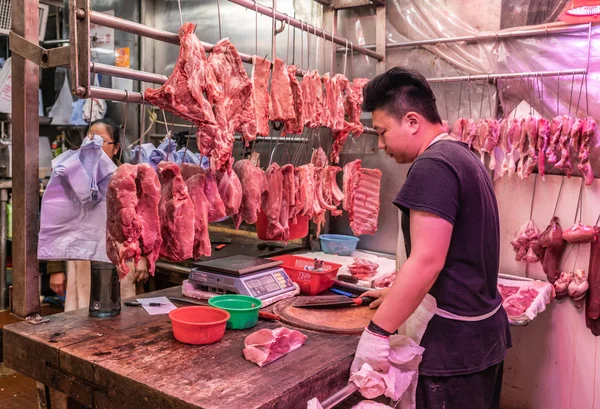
x,y
133,361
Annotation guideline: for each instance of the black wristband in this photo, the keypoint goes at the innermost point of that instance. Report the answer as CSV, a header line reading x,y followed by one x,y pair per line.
x,y
378,330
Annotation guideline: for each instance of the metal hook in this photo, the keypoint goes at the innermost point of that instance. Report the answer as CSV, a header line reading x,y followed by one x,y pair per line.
x,y
281,28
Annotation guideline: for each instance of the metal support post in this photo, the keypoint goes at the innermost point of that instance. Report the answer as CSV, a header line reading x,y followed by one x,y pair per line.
x,y
380,37
25,164
3,278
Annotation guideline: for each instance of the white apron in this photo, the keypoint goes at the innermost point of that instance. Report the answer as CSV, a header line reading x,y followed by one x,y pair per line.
x,y
414,327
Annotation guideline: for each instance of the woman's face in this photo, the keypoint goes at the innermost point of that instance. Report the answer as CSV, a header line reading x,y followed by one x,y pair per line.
x,y
109,147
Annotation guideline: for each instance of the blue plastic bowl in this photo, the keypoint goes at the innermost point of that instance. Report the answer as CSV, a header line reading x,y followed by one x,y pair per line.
x,y
338,244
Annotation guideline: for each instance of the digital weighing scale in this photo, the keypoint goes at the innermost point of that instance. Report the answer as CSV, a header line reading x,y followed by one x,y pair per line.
x,y
257,277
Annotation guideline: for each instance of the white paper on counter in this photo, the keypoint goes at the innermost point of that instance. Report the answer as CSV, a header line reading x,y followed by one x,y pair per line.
x,y
163,309
386,265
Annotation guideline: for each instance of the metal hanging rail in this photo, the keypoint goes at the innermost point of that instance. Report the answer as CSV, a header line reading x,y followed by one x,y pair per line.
x,y
500,35
268,11
529,74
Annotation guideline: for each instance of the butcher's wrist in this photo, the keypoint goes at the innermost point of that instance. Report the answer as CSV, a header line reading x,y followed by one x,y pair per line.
x,y
376,329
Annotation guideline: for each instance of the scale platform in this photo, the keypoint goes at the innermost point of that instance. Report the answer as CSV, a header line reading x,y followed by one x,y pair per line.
x,y
257,277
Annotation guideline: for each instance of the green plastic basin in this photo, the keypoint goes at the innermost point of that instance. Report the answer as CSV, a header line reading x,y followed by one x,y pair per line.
x,y
242,308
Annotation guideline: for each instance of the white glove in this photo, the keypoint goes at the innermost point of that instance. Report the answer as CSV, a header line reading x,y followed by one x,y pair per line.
x,y
373,349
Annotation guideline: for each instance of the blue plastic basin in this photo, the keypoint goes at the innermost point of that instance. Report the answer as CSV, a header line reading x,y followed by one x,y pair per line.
x,y
338,244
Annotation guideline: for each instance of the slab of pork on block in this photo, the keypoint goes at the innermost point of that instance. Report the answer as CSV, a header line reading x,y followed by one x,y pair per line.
x,y
281,107
176,212
182,94
361,197
267,345
195,179
236,111
271,204
296,124
254,187
148,190
124,225
261,69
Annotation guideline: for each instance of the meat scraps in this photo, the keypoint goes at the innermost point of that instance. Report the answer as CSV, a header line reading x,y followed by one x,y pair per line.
x,y
361,197
363,269
235,111
507,290
266,345
523,243
516,304
195,179
124,225
254,185
281,107
176,211
261,69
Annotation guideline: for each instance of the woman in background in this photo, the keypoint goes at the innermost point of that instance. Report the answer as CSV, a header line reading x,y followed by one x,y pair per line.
x,y
74,276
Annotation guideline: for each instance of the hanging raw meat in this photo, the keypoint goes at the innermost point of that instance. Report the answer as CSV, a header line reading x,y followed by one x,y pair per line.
x,y
261,70
458,130
281,107
584,165
296,124
176,212
523,243
254,185
312,92
490,141
549,248
581,233
216,210
306,190
592,306
564,145
542,143
561,286
195,179
148,190
578,288
361,197
530,159
230,191
235,111
555,133
575,133
288,200
271,204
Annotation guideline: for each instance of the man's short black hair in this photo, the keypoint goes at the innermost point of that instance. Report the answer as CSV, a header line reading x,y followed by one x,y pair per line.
x,y
399,91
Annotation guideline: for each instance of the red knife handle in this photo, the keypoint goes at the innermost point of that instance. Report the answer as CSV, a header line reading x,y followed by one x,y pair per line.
x,y
268,316
364,300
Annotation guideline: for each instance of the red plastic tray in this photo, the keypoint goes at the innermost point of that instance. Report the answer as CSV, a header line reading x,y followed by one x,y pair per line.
x,y
310,282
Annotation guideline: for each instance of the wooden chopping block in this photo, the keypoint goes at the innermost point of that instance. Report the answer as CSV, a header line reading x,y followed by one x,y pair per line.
x,y
352,320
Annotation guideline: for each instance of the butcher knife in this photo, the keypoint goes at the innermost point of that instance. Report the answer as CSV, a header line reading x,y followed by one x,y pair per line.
x,y
333,301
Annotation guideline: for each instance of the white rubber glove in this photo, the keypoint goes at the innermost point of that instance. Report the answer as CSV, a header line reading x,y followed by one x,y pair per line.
x,y
373,349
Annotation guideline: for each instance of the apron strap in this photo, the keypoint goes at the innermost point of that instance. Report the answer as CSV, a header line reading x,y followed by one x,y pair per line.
x,y
446,314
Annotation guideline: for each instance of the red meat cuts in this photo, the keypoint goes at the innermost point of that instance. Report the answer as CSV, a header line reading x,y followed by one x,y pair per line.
x,y
312,90
564,144
216,210
517,304
361,197
296,124
592,306
385,281
176,212
195,183
542,143
306,190
124,226
561,286
331,191
230,191
578,288
507,290
580,233
549,248
271,204
335,90
182,94
555,132
267,345
254,187
524,241
584,165
319,158
235,112
148,191
288,200
281,107
530,159
363,269
261,68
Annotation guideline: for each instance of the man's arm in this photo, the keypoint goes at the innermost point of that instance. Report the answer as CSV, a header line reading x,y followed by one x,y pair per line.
x,y
430,239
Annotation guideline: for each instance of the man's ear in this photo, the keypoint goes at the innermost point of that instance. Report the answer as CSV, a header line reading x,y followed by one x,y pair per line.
x,y
413,120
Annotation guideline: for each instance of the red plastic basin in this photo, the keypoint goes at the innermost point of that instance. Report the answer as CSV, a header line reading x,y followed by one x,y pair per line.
x,y
199,325
310,282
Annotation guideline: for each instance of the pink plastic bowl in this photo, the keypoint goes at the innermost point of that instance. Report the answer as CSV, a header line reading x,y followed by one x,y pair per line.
x,y
199,325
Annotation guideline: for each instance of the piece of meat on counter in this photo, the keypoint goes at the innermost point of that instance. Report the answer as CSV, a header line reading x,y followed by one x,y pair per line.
x,y
517,304
176,212
385,281
281,107
124,226
580,233
254,185
195,184
148,190
507,290
266,345
363,269
296,124
261,69
592,305
271,204
549,248
235,111
561,286
361,197
578,287
524,241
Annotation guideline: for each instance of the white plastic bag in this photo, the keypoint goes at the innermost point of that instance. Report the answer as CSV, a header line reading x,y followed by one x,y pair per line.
x,y
6,87
63,107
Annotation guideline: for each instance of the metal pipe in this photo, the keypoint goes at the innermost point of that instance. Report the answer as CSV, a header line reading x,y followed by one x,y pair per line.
x,y
111,70
3,277
339,396
501,35
114,95
173,267
267,11
485,77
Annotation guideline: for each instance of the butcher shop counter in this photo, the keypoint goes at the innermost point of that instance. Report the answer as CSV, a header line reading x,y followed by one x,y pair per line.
x,y
133,361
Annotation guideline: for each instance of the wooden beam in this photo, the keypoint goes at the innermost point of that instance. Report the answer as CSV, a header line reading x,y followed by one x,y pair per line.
x,y
25,164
